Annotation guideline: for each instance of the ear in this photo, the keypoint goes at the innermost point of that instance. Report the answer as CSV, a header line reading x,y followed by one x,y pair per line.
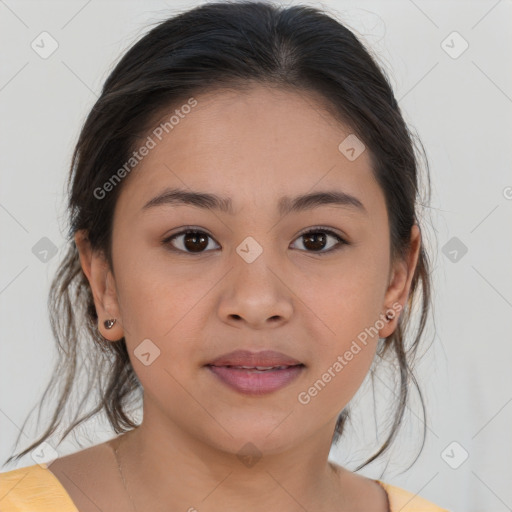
x,y
102,283
400,283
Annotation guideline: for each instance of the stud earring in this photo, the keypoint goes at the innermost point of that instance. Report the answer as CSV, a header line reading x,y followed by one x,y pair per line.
x,y
109,323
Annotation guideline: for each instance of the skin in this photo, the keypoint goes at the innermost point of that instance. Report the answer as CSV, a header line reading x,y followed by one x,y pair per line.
x,y
254,147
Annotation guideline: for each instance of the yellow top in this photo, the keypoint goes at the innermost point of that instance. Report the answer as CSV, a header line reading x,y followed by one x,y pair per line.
x,y
35,489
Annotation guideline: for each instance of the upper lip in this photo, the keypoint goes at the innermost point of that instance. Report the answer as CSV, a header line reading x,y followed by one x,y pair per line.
x,y
266,358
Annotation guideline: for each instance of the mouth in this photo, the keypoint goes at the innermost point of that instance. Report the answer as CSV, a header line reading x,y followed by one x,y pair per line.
x,y
256,368
255,380
265,359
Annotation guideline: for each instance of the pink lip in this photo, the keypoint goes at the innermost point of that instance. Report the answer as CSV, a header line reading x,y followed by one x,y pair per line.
x,y
254,382
248,358
251,380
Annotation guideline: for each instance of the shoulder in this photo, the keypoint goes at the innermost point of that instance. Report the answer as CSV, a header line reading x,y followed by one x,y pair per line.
x,y
33,488
406,501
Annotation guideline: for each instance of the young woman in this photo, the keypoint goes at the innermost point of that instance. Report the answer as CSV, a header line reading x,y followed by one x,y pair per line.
x,y
244,246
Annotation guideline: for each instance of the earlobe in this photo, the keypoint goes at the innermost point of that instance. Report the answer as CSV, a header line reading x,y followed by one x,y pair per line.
x,y
400,283
101,281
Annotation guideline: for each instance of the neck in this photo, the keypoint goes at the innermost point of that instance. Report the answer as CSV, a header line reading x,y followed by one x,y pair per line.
x,y
172,470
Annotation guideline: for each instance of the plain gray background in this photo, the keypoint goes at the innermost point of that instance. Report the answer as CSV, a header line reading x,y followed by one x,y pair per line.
x,y
460,104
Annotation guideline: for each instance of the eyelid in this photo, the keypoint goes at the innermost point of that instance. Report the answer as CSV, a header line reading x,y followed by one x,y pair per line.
x,y
325,229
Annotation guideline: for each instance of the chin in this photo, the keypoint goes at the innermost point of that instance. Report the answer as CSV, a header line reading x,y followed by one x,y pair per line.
x,y
254,437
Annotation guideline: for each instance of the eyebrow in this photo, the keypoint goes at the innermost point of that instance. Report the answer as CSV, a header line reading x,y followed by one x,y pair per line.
x,y
208,201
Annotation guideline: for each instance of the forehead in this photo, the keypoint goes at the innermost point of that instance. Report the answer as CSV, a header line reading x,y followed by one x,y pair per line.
x,y
255,145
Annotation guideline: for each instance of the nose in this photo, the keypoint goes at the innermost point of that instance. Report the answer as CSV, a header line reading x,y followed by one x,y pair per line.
x,y
256,295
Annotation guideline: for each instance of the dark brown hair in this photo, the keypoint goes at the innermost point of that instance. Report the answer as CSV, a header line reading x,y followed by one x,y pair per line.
x,y
211,47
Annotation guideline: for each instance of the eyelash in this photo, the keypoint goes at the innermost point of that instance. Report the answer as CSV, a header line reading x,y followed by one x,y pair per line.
x,y
318,229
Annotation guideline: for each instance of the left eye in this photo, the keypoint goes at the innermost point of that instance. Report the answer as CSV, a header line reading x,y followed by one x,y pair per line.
x,y
195,241
317,238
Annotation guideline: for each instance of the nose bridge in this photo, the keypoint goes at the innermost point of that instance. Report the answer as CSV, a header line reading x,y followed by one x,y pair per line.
x,y
255,292
255,263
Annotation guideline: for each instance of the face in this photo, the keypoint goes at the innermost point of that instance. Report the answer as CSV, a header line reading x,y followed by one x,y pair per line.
x,y
250,278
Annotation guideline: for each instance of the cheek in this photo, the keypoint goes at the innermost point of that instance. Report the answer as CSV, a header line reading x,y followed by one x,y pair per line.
x,y
345,346
159,314
349,298
349,307
153,292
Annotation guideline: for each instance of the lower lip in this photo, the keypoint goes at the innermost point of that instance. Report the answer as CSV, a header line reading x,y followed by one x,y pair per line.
x,y
253,382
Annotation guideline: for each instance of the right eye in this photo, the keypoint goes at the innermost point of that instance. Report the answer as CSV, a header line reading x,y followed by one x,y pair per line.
x,y
188,241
